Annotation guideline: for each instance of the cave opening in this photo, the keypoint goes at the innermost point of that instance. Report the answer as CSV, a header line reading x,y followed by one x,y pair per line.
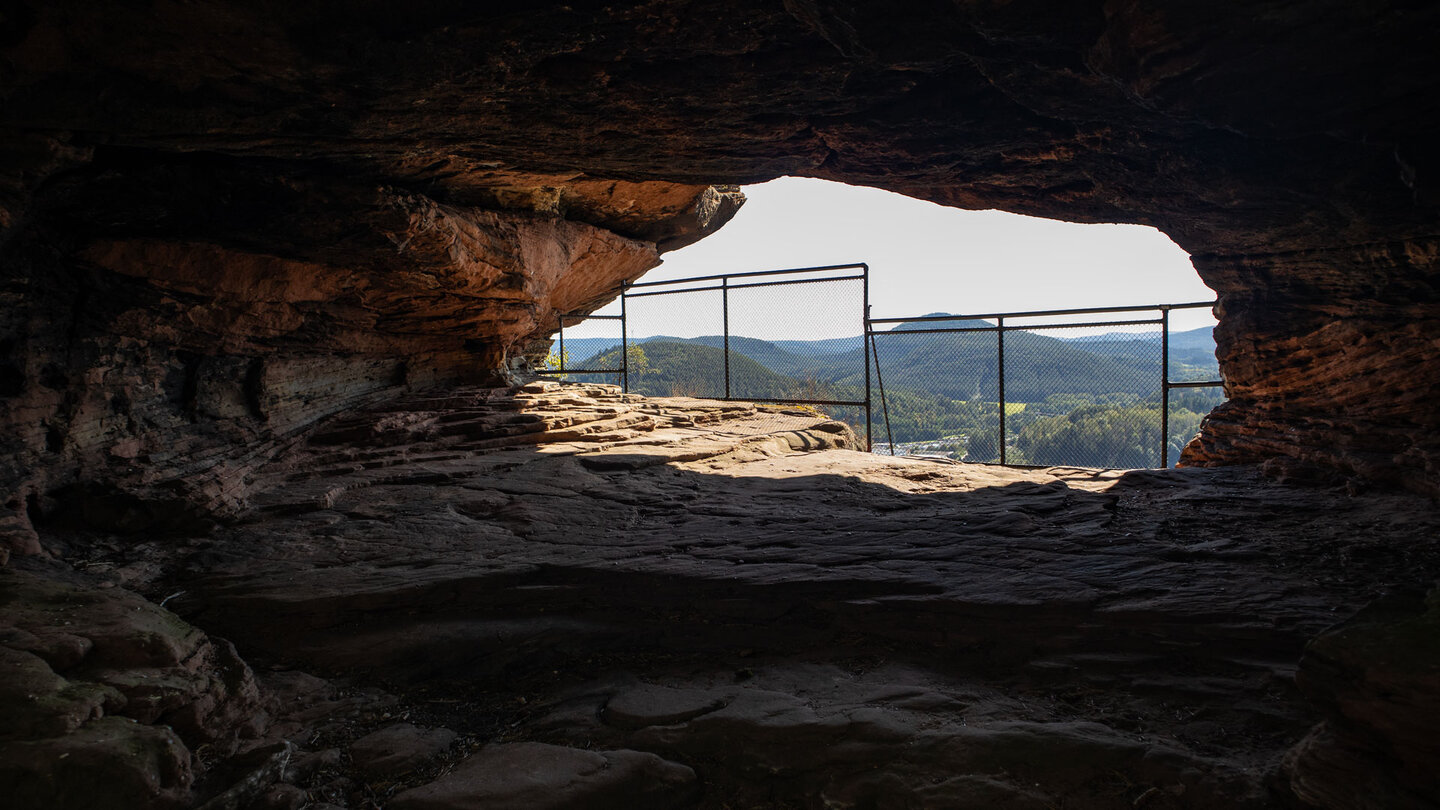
x,y
925,254
286,525
1082,383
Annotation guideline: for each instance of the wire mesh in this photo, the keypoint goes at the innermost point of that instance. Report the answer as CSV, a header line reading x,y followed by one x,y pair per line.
x,y
809,335
1081,388
1076,387
676,343
1188,407
604,377
587,349
1192,359
1084,396
800,341
941,390
792,340
1192,346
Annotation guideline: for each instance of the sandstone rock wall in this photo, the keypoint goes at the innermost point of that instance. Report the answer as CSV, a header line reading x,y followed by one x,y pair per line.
x,y
1331,362
424,187
117,701
173,322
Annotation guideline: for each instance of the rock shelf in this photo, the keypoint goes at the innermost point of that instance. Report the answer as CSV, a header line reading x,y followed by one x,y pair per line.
x,y
721,604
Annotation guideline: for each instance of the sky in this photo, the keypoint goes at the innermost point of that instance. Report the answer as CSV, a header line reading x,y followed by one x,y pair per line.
x,y
926,258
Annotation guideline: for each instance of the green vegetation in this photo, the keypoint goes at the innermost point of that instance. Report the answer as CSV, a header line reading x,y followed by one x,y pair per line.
x,y
1085,402
1094,436
1114,431
556,359
660,368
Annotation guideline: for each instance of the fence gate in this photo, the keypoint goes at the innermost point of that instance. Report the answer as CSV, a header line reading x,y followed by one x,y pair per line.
x,y
790,337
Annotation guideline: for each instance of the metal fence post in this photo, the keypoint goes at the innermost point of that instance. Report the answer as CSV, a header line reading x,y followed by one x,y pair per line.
x,y
725,325
1164,388
864,336
864,350
624,342
880,381
724,283
945,324
1000,366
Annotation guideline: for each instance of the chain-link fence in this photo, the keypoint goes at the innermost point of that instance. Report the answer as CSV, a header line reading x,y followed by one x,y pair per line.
x,y
940,388
677,340
1109,387
1103,387
588,349
785,337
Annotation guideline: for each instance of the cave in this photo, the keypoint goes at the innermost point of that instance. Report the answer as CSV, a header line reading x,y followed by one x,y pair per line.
x,y
288,522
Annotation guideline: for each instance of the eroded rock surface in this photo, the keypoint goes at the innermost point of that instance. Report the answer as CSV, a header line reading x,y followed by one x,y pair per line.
x,y
108,695
201,192
236,240
731,591
1378,677
179,321
520,776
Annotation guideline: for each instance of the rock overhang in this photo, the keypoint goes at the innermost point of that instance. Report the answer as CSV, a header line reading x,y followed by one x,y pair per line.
x,y
222,224
419,191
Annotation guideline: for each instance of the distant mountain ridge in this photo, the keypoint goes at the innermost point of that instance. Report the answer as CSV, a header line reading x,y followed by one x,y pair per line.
x,y
957,365
1201,339
675,367
1091,400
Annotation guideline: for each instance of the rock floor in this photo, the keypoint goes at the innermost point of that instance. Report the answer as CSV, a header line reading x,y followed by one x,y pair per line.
x,y
568,597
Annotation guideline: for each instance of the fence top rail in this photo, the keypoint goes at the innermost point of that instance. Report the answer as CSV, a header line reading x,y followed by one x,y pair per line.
x,y
719,276
1045,313
751,285
569,316
1029,327
774,401
1195,384
825,280
711,288
1074,324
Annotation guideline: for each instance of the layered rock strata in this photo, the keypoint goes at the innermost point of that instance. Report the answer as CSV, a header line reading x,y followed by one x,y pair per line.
x,y
567,593
110,695
237,239
1378,678
175,322
389,185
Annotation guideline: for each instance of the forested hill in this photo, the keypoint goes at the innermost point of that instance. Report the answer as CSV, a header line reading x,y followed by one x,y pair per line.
x,y
962,365
664,368
957,365
764,352
1089,401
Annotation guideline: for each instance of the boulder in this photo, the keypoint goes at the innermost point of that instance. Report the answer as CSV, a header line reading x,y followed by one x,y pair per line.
x,y
399,748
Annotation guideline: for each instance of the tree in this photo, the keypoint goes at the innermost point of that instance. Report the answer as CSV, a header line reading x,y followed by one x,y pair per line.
x,y
636,360
556,360
1095,436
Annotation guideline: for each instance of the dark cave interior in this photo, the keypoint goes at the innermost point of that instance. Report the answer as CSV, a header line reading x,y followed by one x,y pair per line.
x,y
268,270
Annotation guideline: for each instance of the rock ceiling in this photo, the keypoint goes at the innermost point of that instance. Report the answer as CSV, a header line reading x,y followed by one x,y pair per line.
x,y
243,244
200,197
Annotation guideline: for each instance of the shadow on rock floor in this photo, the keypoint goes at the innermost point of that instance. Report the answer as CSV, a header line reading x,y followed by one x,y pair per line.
x,y
572,598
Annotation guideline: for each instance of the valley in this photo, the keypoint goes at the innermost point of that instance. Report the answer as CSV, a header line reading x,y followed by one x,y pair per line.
x,y
1091,400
